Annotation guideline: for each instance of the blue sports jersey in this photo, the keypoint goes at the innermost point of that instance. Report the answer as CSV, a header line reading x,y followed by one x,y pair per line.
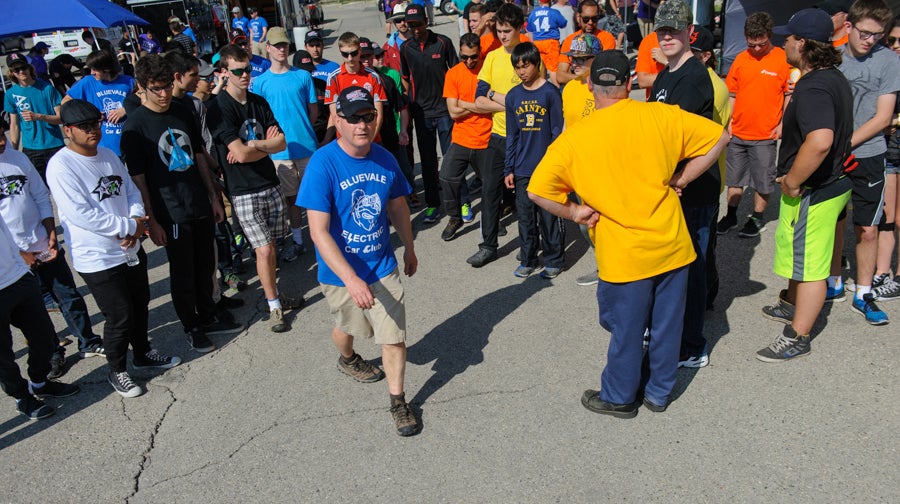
x,y
544,23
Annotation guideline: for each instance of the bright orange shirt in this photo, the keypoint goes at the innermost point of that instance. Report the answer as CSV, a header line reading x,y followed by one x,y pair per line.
x,y
490,42
607,42
645,62
841,41
758,85
474,130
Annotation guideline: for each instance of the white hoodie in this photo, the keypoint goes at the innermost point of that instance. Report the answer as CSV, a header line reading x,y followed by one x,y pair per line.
x,y
24,201
96,200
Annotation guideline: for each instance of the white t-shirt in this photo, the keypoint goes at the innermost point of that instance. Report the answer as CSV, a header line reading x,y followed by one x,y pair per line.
x,y
24,201
96,199
12,266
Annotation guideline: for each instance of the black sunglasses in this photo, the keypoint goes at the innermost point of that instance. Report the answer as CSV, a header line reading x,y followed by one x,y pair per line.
x,y
87,127
889,41
355,119
468,56
588,19
237,72
349,54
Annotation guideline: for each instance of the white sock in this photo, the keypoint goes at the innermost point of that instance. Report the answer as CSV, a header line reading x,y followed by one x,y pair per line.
x,y
298,235
833,281
862,290
274,304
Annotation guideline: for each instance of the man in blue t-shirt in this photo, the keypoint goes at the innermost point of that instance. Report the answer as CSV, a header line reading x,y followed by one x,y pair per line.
x,y
291,94
315,47
107,91
240,22
353,191
258,27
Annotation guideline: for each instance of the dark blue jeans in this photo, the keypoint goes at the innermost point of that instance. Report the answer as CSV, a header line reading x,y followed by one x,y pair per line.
x,y
538,229
429,130
626,310
701,221
21,306
56,277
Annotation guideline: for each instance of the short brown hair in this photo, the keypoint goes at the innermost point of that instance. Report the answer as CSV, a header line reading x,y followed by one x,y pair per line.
x,y
876,10
758,25
348,39
232,52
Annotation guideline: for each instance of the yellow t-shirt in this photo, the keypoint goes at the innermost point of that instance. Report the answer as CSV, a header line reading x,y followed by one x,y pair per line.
x,y
721,115
498,71
605,158
578,102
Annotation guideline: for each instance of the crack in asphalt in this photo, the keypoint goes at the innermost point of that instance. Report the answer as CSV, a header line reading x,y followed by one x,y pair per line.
x,y
151,444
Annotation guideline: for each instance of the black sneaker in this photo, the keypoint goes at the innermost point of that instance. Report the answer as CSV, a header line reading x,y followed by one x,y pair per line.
x,y
34,408
121,383
591,400
53,389
199,342
782,311
786,346
95,350
360,369
57,365
154,359
726,224
404,419
656,408
885,287
482,257
217,327
752,228
453,226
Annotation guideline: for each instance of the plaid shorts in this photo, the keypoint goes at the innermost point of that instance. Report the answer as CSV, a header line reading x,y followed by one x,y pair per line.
x,y
262,216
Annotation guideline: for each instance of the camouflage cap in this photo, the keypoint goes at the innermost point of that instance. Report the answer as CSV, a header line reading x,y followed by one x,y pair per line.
x,y
675,14
584,45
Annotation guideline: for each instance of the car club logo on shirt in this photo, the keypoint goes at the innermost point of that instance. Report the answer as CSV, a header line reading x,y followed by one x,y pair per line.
x,y
366,208
107,187
13,185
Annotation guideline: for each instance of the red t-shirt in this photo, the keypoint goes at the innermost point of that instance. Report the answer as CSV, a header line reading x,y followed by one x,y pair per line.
x,y
364,78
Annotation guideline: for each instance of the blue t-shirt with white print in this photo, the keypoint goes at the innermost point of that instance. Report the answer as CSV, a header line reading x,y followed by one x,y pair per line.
x,y
355,192
106,96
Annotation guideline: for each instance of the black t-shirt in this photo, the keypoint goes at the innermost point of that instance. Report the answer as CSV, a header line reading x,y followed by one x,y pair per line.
x,y
689,87
230,120
822,99
425,66
61,76
148,146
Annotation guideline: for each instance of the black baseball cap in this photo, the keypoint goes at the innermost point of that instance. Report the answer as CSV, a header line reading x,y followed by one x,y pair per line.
x,y
833,7
16,60
365,46
312,35
354,99
78,112
701,39
811,24
610,63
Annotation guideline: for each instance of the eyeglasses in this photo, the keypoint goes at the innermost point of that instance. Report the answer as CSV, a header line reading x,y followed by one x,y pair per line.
x,y
591,19
158,90
19,70
87,127
891,40
866,35
237,72
355,119
472,57
580,61
350,54
757,46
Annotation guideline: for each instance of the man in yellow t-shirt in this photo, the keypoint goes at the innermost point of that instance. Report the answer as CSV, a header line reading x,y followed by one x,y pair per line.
x,y
631,204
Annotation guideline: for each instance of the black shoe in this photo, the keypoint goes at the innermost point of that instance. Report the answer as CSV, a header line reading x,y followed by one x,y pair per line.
x,y
122,384
591,400
154,359
482,257
453,226
752,228
229,303
57,365
726,224
217,327
200,342
54,389
786,346
654,407
34,408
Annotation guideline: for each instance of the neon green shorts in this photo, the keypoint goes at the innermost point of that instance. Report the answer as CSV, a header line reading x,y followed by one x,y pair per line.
x,y
805,236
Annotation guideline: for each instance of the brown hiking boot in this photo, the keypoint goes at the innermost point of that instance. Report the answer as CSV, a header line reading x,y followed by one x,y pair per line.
x,y
404,419
360,370
276,321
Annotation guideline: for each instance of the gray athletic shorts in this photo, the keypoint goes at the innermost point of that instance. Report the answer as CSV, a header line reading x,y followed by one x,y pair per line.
x,y
751,163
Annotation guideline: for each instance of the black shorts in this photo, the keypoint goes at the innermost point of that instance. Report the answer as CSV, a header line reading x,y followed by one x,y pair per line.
x,y
868,191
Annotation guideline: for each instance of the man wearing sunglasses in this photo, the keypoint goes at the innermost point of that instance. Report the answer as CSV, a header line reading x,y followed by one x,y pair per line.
x,y
360,185
874,74
424,62
396,39
245,132
588,15
353,73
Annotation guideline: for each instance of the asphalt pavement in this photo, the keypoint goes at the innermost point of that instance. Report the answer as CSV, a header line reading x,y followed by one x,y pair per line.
x,y
497,366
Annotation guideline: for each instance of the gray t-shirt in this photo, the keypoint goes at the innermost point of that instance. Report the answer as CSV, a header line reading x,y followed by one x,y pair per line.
x,y
876,74
569,13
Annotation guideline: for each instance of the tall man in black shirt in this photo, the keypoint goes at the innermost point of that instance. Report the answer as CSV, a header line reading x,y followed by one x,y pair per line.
x,y
685,82
245,133
424,61
166,160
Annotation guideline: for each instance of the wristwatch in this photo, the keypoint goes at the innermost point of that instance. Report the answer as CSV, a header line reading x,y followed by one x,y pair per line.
x,y
491,95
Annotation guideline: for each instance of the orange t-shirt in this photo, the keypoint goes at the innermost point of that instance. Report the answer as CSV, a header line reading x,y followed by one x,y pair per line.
x,y
645,62
474,130
607,42
841,41
758,85
489,42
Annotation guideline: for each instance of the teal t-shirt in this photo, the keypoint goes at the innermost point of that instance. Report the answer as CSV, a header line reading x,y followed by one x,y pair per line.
x,y
40,98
